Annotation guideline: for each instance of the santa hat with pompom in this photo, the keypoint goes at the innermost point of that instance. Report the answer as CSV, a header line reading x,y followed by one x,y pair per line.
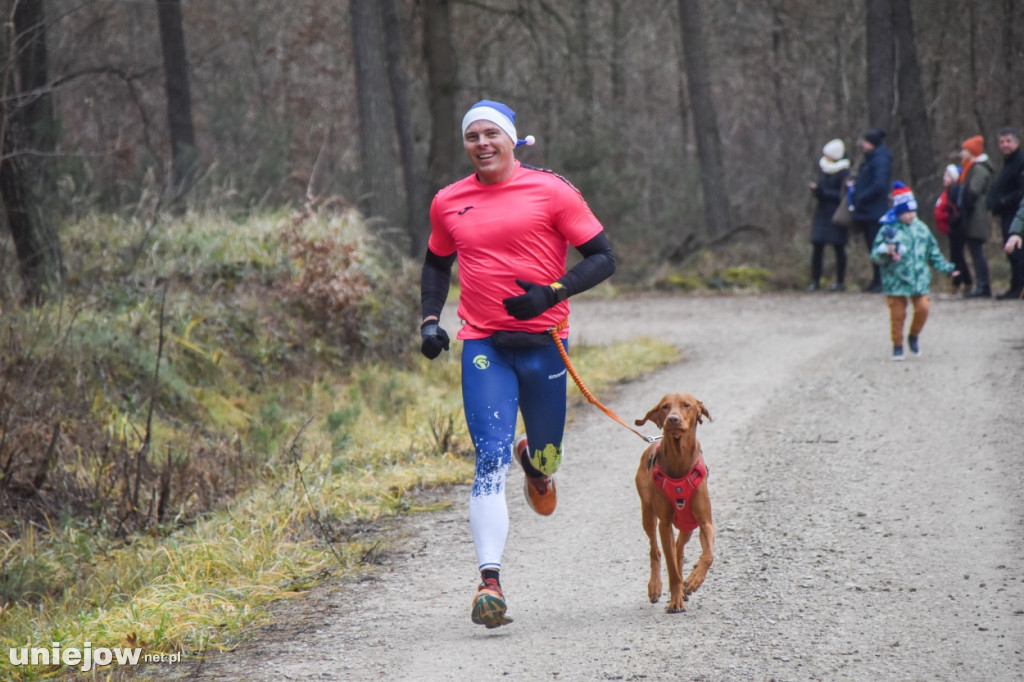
x,y
498,114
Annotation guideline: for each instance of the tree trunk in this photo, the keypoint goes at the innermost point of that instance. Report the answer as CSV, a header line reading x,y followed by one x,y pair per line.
x,y
976,91
380,198
585,78
705,120
27,128
881,59
914,123
439,55
417,218
1011,57
179,100
617,114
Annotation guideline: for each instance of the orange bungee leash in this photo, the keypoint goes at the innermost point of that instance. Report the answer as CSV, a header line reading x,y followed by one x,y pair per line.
x,y
553,331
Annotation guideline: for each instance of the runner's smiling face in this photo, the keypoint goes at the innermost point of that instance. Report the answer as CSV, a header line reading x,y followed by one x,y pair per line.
x,y
490,151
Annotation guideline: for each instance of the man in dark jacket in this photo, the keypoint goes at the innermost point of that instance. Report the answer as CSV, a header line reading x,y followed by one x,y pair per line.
x,y
1003,200
870,195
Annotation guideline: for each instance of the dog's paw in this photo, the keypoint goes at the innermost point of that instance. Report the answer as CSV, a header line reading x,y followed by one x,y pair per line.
x,y
654,591
694,580
676,601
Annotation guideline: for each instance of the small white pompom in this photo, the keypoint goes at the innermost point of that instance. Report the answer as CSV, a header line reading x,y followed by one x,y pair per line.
x,y
530,139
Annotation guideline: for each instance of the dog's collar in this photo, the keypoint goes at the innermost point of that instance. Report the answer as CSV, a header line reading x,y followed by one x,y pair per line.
x,y
653,457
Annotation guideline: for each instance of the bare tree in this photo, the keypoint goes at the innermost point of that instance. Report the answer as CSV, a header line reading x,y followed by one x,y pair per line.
x,y
914,123
417,223
592,80
439,55
27,128
881,58
376,118
1010,55
895,95
617,76
179,99
705,120
580,39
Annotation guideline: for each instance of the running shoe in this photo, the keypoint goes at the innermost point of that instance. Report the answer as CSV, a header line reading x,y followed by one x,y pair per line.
x,y
538,489
915,349
489,605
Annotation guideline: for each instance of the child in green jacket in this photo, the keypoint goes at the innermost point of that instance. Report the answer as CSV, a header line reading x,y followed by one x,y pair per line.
x,y
905,250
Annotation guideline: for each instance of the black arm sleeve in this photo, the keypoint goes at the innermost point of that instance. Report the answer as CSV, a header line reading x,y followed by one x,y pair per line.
x,y
435,280
598,264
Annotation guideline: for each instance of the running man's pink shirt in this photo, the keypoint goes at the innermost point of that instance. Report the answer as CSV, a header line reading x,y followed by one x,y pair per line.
x,y
519,228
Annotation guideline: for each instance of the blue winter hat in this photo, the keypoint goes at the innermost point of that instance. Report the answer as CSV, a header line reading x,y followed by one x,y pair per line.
x,y
903,201
498,114
902,198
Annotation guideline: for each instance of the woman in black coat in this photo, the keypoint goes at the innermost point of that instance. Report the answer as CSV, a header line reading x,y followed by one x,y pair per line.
x,y
833,167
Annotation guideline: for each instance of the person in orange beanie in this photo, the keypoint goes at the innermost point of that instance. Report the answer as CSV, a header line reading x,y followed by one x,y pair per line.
x,y
975,180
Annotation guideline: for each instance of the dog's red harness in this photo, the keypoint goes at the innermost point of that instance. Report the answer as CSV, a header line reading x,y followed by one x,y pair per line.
x,y
679,491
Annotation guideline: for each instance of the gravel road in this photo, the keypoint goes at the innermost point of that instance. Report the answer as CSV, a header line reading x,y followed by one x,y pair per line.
x,y
869,518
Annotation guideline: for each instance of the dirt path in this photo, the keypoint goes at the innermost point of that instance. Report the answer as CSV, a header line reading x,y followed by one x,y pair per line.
x,y
869,515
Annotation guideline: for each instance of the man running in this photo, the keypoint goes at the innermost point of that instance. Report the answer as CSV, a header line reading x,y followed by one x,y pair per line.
x,y
510,227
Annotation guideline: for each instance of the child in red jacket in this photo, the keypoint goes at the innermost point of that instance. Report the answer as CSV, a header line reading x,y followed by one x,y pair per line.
x,y
945,207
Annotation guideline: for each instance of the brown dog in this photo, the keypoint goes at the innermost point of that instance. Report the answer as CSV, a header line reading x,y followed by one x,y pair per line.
x,y
673,487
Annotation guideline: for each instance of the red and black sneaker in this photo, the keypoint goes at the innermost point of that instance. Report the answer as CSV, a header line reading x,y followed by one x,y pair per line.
x,y
489,605
539,489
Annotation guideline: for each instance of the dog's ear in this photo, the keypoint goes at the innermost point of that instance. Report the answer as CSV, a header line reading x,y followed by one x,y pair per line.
x,y
652,415
703,412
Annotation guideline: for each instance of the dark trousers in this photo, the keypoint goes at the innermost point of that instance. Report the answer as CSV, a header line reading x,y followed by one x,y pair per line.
x,y
976,247
957,254
818,260
870,228
1016,258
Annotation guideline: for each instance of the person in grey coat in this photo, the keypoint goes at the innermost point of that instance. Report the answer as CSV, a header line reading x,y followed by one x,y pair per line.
x,y
829,190
976,179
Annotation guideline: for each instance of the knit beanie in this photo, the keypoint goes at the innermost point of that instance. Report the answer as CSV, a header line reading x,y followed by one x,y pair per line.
x,y
498,114
902,199
975,146
954,172
875,136
834,149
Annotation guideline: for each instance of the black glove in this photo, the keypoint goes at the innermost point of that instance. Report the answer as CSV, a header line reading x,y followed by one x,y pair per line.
x,y
434,338
536,300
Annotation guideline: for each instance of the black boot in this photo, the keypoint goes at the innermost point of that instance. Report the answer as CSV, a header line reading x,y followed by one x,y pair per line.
x,y
1010,295
984,291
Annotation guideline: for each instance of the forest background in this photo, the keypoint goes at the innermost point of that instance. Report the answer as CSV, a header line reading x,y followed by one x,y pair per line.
x,y
215,211
680,121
